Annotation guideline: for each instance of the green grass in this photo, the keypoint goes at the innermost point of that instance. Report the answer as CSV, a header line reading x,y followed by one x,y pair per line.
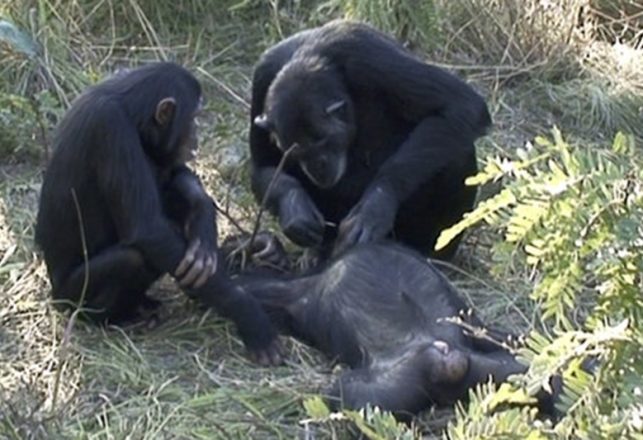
x,y
189,377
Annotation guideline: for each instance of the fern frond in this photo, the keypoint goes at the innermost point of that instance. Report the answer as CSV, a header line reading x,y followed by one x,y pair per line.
x,y
484,211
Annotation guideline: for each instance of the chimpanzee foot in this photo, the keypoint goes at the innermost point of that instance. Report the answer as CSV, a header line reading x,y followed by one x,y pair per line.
x,y
273,355
148,313
267,250
148,304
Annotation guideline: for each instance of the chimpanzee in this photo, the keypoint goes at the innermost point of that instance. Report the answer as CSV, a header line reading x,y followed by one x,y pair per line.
x,y
378,142
384,311
118,196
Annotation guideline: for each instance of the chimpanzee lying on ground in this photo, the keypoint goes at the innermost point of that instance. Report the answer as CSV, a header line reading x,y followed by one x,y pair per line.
x,y
382,310
379,142
118,188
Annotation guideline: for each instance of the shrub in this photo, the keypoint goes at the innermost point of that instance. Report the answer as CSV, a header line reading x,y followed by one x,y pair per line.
x,y
571,216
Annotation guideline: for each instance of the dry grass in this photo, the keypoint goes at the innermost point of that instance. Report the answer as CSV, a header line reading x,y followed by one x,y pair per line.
x,y
189,378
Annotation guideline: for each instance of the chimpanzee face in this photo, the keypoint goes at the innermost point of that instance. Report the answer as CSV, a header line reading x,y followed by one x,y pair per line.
x,y
190,141
187,145
313,121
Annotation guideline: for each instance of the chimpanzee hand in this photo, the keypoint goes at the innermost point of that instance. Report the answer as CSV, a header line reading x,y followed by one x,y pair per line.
x,y
267,250
370,220
198,264
271,355
300,220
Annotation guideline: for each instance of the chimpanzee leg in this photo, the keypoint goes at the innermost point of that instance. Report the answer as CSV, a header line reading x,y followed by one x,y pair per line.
x,y
265,251
500,365
397,386
117,282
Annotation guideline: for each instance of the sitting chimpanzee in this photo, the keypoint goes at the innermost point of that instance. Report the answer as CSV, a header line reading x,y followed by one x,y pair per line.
x,y
119,207
383,310
378,142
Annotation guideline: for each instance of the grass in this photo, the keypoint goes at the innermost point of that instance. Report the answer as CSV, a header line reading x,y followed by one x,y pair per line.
x,y
188,377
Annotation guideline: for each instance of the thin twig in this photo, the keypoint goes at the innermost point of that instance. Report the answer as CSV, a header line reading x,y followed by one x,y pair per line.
x,y
70,325
225,88
264,200
232,221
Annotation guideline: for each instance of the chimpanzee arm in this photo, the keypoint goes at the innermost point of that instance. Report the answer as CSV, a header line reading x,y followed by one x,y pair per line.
x,y
433,147
299,218
265,155
449,114
186,202
130,190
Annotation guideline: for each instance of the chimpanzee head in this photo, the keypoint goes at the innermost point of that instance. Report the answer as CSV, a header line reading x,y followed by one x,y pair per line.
x,y
163,100
309,112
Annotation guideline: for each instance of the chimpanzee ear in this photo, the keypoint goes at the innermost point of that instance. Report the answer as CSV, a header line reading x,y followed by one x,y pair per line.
x,y
165,110
262,121
335,106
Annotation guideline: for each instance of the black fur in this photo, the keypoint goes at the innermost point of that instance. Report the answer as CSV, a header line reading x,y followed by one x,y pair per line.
x,y
140,204
382,310
349,95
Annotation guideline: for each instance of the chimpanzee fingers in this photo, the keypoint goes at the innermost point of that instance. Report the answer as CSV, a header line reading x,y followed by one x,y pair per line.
x,y
276,259
214,262
273,355
204,275
262,247
209,267
188,258
203,267
266,254
276,353
193,274
271,252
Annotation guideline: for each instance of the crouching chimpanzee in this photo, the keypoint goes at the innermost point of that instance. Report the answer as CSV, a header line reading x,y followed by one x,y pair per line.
x,y
378,142
383,310
118,196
